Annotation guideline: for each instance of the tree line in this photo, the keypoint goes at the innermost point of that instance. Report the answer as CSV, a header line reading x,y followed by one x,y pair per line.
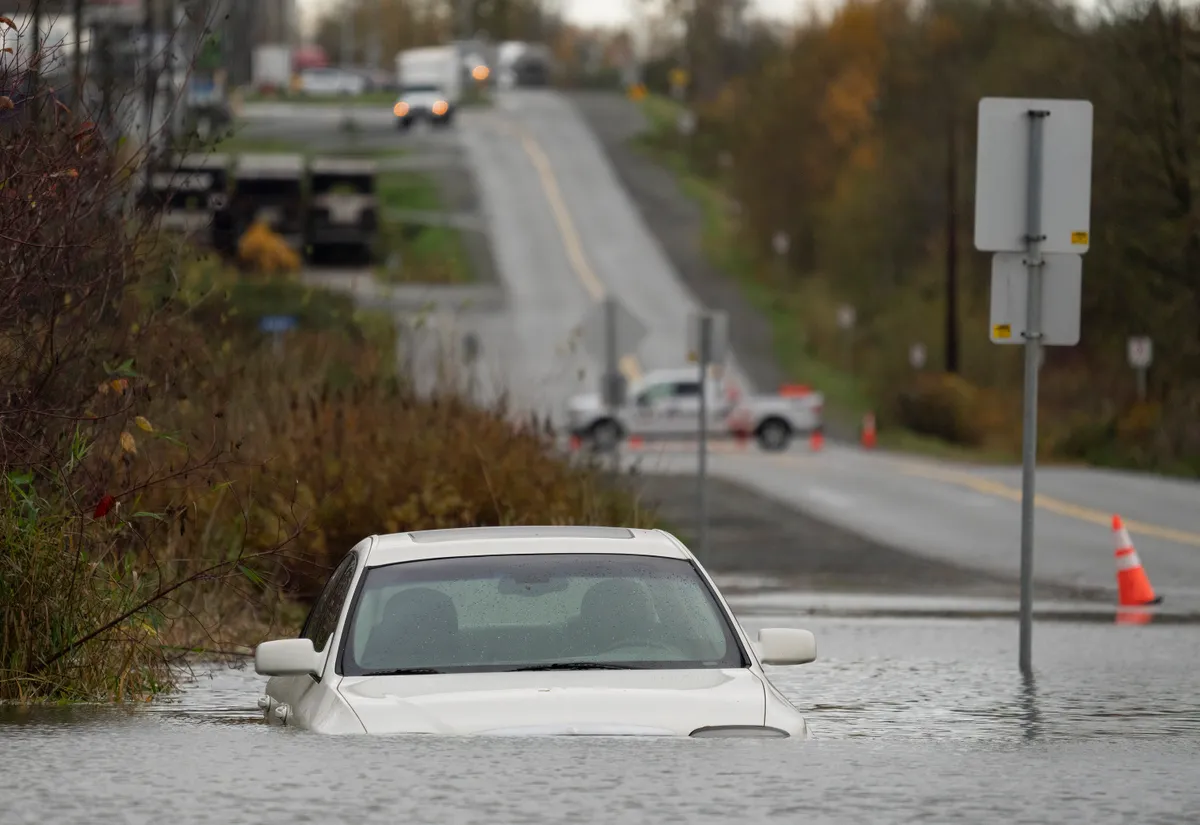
x,y
855,135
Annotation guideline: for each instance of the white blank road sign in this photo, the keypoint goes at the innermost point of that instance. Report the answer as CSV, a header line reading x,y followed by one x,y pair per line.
x,y
1141,352
1062,299
1001,174
718,344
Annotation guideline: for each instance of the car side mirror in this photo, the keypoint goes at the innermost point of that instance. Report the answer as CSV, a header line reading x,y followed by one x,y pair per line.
x,y
786,646
286,657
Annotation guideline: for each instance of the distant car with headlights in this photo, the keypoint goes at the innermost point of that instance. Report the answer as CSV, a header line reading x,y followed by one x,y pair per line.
x,y
422,101
529,631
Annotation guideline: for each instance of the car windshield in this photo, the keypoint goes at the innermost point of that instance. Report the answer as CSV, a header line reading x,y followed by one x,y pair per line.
x,y
421,88
520,612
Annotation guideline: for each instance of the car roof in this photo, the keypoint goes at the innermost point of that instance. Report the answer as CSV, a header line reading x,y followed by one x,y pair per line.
x,y
676,374
500,541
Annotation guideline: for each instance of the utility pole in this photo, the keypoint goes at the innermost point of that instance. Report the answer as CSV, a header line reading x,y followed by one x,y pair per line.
x,y
348,33
78,67
33,67
951,241
150,80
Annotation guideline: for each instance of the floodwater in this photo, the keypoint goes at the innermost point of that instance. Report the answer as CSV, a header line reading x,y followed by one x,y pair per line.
x,y
915,720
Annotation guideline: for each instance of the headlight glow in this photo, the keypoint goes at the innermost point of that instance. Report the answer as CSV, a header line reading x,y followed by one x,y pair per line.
x,y
400,109
440,108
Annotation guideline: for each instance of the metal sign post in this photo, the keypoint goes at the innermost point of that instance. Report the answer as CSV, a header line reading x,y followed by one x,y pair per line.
x,y
708,342
1033,343
610,331
1141,354
1038,231
705,336
846,317
614,381
917,355
277,326
471,348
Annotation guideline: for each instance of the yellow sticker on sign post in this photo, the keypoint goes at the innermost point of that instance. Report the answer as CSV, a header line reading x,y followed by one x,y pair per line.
x,y
1003,331
1079,238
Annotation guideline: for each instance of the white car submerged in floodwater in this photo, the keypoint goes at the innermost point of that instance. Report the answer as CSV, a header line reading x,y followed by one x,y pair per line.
x,y
528,630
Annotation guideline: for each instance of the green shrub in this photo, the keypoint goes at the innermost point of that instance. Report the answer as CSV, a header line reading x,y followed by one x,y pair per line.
x,y
944,406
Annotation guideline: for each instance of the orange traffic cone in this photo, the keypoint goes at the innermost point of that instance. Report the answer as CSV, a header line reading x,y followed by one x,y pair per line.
x,y
1133,585
636,442
868,431
816,441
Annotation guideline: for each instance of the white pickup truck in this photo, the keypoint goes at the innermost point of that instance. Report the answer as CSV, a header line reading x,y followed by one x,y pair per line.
x,y
665,404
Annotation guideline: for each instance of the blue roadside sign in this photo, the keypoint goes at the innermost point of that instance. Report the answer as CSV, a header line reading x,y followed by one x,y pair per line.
x,y
277,323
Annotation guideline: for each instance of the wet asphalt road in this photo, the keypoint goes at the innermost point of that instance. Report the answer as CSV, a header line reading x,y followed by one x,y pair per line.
x,y
564,232
914,720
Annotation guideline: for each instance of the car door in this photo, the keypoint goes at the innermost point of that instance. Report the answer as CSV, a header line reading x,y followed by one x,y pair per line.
x,y
651,408
302,693
681,414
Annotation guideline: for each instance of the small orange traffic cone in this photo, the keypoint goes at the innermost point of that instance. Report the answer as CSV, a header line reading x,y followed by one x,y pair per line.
x,y
1133,585
868,431
816,441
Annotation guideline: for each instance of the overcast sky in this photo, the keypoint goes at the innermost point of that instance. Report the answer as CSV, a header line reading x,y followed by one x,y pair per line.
x,y
609,12
618,11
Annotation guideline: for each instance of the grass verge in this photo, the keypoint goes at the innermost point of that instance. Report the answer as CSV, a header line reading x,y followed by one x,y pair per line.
x,y
366,99
412,252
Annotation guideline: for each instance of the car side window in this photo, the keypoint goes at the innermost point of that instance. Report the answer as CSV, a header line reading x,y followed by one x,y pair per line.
x,y
323,618
687,389
653,393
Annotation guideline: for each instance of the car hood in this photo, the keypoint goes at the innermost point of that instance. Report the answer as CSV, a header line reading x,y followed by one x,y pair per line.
x,y
619,702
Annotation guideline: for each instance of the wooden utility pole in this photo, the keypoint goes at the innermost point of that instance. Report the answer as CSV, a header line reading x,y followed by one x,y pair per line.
x,y
951,241
78,68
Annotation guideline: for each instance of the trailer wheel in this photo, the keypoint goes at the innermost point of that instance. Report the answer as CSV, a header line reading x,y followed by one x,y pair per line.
x,y
774,435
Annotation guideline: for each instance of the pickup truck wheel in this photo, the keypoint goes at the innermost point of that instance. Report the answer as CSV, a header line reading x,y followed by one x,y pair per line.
x,y
605,436
774,435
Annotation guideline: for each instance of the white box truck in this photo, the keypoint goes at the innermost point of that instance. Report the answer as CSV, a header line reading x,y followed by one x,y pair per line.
x,y
271,67
430,81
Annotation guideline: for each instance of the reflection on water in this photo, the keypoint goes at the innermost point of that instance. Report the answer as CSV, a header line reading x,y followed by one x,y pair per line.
x,y
913,719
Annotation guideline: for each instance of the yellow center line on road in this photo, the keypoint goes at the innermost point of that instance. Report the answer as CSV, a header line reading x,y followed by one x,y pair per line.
x,y
629,364
1047,503
997,489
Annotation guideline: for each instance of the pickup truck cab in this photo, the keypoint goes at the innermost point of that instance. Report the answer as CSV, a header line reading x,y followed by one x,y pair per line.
x,y
665,405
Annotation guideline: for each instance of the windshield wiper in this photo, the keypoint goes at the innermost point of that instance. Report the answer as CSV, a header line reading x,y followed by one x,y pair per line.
x,y
407,671
576,666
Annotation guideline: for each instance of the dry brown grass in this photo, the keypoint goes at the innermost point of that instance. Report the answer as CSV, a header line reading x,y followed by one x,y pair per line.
x,y
167,484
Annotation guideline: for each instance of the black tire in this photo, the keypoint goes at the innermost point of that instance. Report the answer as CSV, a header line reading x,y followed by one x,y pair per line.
x,y
605,435
774,435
